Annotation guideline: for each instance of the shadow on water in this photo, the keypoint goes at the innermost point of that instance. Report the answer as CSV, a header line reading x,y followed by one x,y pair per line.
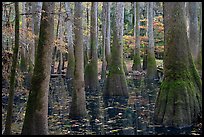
x,y
118,116
93,106
115,115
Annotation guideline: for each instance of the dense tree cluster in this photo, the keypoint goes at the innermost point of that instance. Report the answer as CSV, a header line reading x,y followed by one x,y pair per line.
x,y
90,45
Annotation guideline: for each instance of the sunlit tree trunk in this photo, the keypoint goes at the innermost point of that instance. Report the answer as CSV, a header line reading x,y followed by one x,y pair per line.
x,y
30,40
91,70
137,59
23,62
60,38
151,62
12,76
116,84
179,101
107,38
144,66
55,49
193,29
36,120
36,9
199,57
87,37
71,59
104,62
78,105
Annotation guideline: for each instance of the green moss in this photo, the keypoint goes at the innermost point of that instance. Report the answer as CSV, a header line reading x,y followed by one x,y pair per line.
x,y
91,75
151,66
176,100
136,62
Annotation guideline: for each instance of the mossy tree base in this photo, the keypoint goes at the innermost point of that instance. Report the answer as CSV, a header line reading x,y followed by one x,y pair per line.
x,y
116,85
178,104
151,66
179,100
136,63
91,76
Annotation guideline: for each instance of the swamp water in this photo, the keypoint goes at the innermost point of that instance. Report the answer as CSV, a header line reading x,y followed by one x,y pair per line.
x,y
112,115
105,115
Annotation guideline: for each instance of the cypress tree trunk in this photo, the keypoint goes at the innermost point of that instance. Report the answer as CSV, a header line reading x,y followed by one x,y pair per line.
x,y
179,100
86,38
23,62
54,52
36,8
71,59
91,70
107,39
104,62
144,67
36,121
78,105
193,29
31,47
151,62
199,58
60,38
13,73
116,84
136,59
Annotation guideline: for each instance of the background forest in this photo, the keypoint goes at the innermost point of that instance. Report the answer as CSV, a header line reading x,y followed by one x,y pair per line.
x,y
102,68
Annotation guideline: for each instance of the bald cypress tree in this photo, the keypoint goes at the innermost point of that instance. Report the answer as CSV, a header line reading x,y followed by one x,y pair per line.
x,y
151,62
179,102
136,59
116,84
36,120
91,70
78,105
13,73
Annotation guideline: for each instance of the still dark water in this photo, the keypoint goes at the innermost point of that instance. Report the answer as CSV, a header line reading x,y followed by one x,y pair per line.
x,y
111,115
105,115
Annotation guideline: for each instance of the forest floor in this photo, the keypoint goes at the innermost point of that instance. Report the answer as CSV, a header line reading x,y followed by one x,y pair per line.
x,y
106,116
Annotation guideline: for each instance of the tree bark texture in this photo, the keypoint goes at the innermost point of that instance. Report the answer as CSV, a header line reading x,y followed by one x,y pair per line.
x,y
179,101
36,120
107,49
151,62
91,70
71,59
193,29
104,62
8,122
78,105
136,59
116,84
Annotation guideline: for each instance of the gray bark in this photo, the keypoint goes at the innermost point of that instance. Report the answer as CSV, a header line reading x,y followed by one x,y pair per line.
x,y
91,70
78,105
136,59
8,122
71,59
107,38
151,62
60,38
36,11
104,62
31,47
179,99
36,120
116,84
193,29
